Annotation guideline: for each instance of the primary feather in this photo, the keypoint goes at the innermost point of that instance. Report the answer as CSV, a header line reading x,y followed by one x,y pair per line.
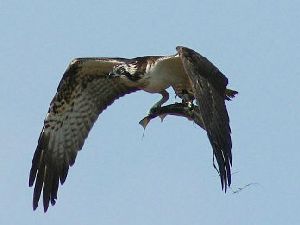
x,y
90,85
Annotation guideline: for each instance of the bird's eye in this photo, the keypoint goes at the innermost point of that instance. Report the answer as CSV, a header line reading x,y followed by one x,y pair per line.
x,y
121,70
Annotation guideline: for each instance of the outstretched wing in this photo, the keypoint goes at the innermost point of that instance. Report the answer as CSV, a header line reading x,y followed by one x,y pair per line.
x,y
209,86
83,93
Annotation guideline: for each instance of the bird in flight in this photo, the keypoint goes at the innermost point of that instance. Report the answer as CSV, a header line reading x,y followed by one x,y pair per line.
x,y
90,85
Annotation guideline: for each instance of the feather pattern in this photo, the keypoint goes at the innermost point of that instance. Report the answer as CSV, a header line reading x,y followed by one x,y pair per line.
x,y
83,93
209,86
90,85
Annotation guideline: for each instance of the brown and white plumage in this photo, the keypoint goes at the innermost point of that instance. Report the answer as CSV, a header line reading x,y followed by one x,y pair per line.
x,y
89,85
83,93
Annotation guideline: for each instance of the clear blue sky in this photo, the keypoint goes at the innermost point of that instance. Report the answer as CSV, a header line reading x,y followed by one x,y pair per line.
x,y
167,176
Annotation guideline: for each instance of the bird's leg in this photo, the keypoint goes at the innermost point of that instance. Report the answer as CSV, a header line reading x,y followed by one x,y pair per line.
x,y
164,99
190,104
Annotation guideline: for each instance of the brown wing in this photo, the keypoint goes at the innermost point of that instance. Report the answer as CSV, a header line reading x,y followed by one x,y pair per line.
x,y
209,86
83,93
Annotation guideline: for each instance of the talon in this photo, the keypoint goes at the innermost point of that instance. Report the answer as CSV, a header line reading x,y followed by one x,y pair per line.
x,y
165,97
190,105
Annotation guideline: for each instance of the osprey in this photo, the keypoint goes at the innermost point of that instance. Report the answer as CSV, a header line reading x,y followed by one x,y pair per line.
x,y
90,85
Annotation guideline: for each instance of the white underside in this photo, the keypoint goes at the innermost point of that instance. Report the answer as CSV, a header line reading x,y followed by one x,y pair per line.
x,y
166,72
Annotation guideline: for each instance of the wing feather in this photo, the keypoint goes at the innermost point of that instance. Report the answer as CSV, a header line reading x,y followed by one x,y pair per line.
x,y
83,93
209,86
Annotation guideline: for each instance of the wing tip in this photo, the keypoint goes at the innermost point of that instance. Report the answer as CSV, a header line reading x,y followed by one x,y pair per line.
x,y
224,160
44,176
34,206
46,206
31,180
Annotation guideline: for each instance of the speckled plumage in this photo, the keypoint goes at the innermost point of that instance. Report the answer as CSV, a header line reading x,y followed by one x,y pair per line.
x,y
85,91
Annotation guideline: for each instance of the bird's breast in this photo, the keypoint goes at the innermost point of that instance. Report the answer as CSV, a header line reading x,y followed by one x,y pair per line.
x,y
158,77
154,81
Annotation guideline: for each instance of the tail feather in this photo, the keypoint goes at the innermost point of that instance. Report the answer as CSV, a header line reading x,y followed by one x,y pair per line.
x,y
229,94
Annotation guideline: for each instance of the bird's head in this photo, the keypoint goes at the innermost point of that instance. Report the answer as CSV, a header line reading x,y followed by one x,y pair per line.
x,y
125,71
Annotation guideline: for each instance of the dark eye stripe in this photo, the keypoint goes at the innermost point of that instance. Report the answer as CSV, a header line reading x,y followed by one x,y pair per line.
x,y
133,77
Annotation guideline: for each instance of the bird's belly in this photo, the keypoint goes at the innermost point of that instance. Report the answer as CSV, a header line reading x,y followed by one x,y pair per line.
x,y
159,79
156,85
155,82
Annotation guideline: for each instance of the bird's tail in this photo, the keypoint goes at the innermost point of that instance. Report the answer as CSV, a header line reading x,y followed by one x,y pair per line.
x,y
229,94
